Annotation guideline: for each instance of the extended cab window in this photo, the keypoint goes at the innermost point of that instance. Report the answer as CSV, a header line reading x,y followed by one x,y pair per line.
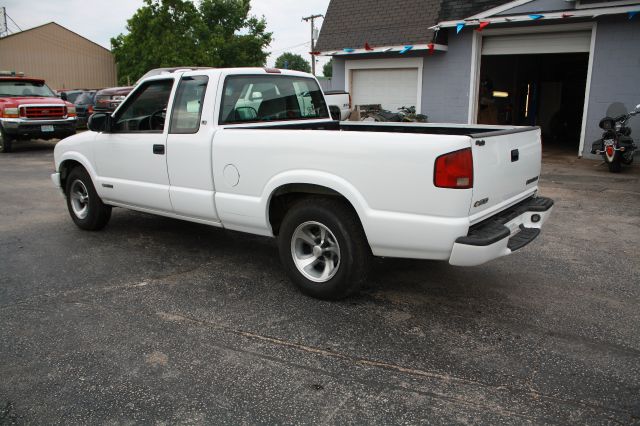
x,y
187,108
253,98
145,111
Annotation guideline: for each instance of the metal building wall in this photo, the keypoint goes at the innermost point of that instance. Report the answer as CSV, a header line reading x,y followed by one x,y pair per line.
x,y
63,58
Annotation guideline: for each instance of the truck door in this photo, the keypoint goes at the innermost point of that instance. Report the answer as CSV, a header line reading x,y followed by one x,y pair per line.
x,y
131,159
189,149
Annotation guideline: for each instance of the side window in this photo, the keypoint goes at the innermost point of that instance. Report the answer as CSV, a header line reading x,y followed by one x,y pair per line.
x,y
146,110
187,108
255,98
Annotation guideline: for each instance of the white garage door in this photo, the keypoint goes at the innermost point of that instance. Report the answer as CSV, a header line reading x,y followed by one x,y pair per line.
x,y
560,42
392,88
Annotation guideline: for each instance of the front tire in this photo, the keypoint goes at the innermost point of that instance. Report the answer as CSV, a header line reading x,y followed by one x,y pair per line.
x,y
85,206
323,248
615,165
6,144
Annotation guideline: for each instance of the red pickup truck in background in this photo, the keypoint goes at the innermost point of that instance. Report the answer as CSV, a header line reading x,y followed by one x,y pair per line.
x,y
29,109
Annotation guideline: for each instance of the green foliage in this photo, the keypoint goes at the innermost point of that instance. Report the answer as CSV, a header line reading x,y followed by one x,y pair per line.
x,y
327,69
293,62
169,33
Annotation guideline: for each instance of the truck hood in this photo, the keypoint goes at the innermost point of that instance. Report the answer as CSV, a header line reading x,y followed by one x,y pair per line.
x,y
123,91
33,100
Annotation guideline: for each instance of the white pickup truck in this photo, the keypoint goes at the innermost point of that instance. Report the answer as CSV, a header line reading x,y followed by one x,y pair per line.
x,y
255,150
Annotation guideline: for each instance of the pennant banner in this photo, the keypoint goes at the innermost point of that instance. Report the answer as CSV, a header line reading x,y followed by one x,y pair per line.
x,y
349,50
482,25
459,27
633,13
431,47
367,47
406,49
535,17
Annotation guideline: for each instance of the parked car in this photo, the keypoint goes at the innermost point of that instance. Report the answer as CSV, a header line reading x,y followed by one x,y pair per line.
x,y
107,100
29,109
333,193
85,104
70,95
339,103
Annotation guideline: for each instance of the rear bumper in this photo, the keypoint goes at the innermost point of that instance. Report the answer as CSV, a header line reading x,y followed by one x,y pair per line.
x,y
503,233
33,129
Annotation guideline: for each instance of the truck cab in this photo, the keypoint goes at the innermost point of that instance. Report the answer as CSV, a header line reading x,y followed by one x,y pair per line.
x,y
29,109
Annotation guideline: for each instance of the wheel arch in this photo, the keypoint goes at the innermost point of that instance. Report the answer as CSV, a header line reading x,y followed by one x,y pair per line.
x,y
286,190
70,161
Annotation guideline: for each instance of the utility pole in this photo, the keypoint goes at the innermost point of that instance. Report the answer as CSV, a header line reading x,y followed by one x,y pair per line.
x,y
312,18
4,31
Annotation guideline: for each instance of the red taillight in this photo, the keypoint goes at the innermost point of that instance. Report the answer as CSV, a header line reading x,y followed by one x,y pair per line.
x,y
90,109
454,170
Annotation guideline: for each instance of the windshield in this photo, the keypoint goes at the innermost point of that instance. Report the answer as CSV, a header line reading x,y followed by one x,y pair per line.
x,y
85,98
25,88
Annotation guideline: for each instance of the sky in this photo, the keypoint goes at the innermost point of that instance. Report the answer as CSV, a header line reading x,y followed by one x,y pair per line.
x,y
99,20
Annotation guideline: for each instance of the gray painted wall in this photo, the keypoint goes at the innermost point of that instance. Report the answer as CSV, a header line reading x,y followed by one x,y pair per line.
x,y
337,78
615,78
446,79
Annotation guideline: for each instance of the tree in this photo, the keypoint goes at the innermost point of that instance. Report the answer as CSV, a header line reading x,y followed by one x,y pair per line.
x,y
168,33
291,61
327,69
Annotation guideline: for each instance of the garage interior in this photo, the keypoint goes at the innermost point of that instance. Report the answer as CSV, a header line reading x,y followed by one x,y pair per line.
x,y
538,80
545,90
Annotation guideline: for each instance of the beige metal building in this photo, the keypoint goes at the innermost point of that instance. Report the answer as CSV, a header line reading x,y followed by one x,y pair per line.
x,y
65,60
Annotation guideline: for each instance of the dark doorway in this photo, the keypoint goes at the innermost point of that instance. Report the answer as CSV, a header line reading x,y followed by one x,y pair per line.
x,y
545,90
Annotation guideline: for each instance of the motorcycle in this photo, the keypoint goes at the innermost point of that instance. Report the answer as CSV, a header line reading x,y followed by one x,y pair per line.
x,y
616,146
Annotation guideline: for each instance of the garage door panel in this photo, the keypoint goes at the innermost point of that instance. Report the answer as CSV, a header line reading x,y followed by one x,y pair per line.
x,y
560,42
392,88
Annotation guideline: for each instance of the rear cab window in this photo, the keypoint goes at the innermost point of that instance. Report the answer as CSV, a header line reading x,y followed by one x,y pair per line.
x,y
264,98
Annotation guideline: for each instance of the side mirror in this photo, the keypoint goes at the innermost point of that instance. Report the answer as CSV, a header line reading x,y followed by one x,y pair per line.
x,y
99,122
64,96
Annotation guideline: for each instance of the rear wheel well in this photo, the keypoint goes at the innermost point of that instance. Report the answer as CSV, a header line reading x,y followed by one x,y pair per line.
x,y
287,195
65,169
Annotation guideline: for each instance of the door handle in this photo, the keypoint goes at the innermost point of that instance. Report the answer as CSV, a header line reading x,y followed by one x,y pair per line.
x,y
158,149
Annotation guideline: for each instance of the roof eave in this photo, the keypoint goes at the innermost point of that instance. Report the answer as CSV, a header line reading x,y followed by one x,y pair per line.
x,y
559,15
385,49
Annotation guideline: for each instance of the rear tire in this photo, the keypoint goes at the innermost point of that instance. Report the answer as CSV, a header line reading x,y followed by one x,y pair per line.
x,y
85,206
323,248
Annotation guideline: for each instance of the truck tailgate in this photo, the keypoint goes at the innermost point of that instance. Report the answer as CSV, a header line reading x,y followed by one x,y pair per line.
x,y
506,168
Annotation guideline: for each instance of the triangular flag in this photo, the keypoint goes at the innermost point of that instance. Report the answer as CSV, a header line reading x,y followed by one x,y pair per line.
x,y
536,17
431,48
314,53
459,27
348,49
566,15
633,13
406,49
367,47
482,25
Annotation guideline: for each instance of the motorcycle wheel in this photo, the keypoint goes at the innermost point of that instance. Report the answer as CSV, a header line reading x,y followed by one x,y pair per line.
x,y
615,166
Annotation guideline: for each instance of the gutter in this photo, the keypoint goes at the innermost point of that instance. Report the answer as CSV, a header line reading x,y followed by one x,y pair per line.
x,y
385,49
562,15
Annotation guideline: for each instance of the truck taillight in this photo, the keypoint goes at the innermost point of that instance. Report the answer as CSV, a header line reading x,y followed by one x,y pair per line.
x,y
454,170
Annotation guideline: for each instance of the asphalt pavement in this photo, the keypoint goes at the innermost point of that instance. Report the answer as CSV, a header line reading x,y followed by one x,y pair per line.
x,y
154,320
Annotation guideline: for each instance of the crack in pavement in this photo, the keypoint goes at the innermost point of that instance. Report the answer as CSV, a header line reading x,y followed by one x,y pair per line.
x,y
398,368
